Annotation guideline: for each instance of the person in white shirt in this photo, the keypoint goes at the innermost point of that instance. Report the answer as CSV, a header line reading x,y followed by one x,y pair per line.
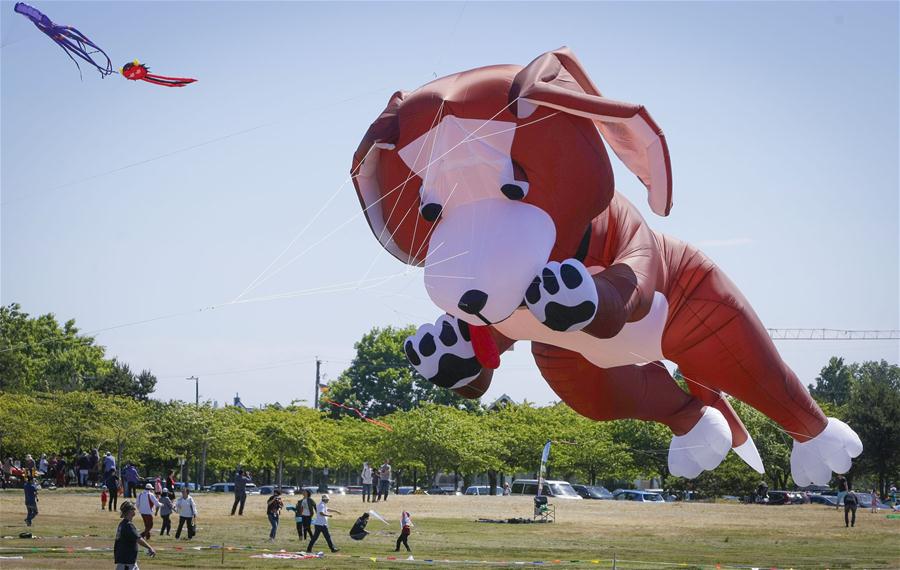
x,y
384,483
405,529
187,513
366,482
147,505
321,524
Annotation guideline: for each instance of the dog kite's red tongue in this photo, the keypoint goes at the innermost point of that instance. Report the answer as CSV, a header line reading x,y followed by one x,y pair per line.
x,y
486,350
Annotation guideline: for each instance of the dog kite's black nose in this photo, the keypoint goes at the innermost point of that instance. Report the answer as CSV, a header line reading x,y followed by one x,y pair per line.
x,y
473,301
431,212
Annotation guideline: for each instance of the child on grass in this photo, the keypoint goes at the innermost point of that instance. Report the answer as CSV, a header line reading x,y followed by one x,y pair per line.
x,y
166,504
405,529
104,496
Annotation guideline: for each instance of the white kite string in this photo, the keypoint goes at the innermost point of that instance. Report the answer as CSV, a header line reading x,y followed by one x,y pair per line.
x,y
390,192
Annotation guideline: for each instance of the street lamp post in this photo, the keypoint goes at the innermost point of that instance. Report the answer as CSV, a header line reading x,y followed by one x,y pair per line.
x,y
196,390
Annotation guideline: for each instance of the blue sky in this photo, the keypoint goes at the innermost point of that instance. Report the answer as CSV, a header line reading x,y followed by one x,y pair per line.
x,y
124,201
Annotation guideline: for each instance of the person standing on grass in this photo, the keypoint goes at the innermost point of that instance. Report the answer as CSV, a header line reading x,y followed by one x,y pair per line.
x,y
104,496
112,483
31,501
376,480
240,491
851,501
384,483
84,464
843,487
366,477
405,529
170,480
109,462
187,513
321,525
273,512
166,504
125,549
303,512
131,476
147,504
874,500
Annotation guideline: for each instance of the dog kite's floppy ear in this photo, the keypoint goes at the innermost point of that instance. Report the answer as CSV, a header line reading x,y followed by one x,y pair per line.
x,y
382,135
557,80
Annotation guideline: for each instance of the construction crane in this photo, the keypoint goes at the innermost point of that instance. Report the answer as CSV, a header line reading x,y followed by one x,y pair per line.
x,y
832,334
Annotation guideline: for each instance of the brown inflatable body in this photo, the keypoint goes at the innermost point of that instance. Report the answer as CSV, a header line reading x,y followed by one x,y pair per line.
x,y
497,181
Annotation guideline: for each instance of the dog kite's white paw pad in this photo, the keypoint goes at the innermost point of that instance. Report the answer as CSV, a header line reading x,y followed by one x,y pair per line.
x,y
563,297
832,450
443,353
702,448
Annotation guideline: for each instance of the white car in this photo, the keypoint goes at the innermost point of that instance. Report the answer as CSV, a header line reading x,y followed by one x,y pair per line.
x,y
483,490
251,489
555,489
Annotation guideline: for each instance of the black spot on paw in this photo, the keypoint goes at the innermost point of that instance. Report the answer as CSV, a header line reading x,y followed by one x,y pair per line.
x,y
550,282
464,330
411,353
570,276
561,317
448,335
513,191
426,345
452,369
533,294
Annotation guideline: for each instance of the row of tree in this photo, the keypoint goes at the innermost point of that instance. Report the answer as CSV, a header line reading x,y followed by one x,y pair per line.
x,y
292,443
59,393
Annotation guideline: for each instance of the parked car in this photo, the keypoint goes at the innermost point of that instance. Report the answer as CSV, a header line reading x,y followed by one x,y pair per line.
x,y
229,488
180,485
865,501
285,489
638,496
354,489
404,490
829,500
785,498
442,490
592,492
555,489
483,490
336,490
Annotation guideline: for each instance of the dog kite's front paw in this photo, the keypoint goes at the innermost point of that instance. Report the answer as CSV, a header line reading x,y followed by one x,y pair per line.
x,y
443,353
832,450
563,296
702,448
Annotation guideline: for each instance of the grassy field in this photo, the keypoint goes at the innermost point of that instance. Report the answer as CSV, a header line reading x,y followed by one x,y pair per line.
x,y
589,532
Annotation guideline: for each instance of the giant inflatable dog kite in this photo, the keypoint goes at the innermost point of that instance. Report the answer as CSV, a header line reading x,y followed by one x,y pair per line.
x,y
497,182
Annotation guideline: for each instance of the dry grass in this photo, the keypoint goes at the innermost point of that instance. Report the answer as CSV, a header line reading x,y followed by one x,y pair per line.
x,y
697,535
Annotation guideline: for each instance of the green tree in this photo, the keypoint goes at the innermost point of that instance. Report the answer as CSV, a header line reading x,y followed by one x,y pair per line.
x,y
648,443
833,383
25,425
380,380
39,354
291,435
431,437
121,381
874,413
593,453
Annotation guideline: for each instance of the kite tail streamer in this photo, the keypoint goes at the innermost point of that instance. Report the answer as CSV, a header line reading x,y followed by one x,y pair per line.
x,y
358,413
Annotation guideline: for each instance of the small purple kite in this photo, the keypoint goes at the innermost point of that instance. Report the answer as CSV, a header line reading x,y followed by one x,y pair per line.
x,y
68,38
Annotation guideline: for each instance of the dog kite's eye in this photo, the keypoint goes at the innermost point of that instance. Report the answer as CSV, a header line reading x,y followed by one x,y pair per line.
x,y
515,190
431,212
